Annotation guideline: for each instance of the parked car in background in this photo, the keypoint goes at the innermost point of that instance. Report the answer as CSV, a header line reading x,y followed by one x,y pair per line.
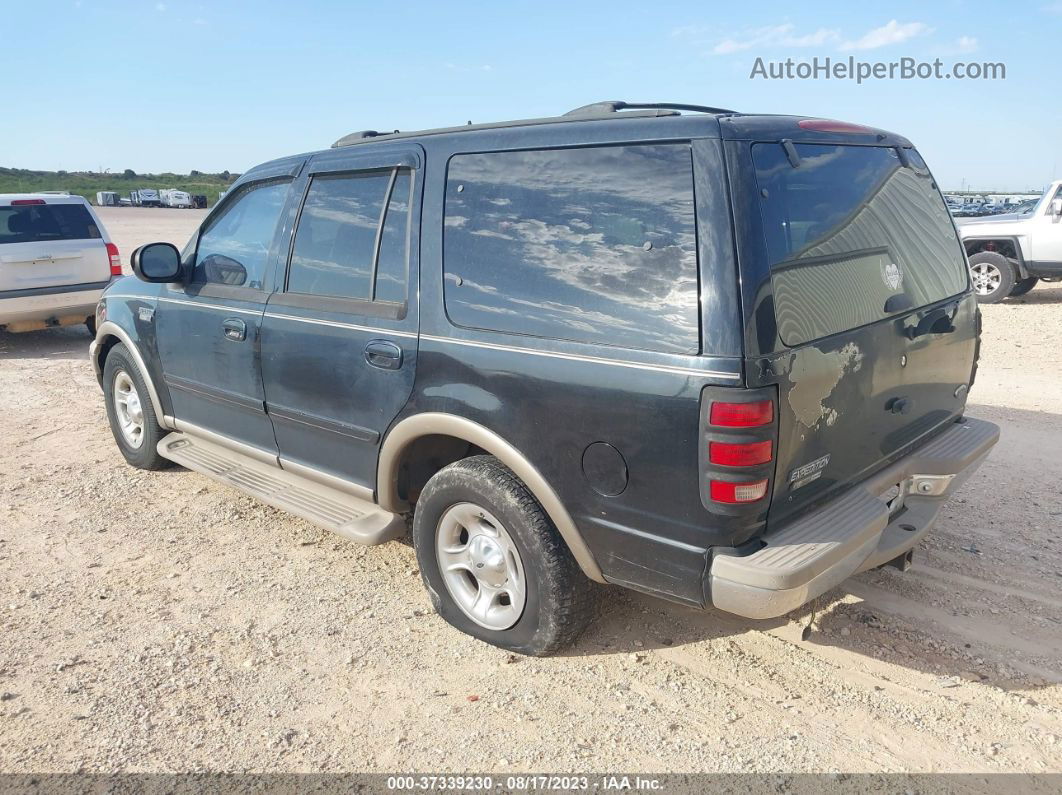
x,y
107,198
55,261
1010,253
199,201
567,363
175,198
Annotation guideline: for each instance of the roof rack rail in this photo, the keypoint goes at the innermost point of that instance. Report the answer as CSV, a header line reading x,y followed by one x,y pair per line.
x,y
612,106
595,112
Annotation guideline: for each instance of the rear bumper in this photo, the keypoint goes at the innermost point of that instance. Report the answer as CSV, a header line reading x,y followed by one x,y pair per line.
x,y
28,310
852,533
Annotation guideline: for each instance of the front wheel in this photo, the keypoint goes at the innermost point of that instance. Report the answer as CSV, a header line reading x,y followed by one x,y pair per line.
x,y
133,422
1022,287
992,275
493,563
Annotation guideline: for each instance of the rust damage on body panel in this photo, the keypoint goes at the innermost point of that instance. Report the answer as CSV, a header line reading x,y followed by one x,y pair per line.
x,y
813,375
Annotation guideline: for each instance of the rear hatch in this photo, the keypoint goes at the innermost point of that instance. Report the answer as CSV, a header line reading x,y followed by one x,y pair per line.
x,y
50,244
874,332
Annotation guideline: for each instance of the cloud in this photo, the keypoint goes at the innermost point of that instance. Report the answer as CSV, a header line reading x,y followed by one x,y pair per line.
x,y
891,33
160,7
200,22
966,44
454,67
771,36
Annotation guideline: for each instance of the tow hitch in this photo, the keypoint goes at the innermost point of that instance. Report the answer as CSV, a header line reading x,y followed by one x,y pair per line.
x,y
902,562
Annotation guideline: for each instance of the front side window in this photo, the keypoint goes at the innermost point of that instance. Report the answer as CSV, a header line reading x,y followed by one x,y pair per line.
x,y
335,252
853,236
234,248
592,245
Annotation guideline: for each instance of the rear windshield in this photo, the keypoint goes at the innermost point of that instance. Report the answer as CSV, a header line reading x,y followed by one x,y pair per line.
x,y
33,223
851,230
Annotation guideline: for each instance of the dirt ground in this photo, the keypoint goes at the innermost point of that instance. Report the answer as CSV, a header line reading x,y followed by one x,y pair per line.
x,y
161,622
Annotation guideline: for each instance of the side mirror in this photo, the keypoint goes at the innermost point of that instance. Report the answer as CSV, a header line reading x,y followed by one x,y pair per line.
x,y
224,270
157,262
1056,207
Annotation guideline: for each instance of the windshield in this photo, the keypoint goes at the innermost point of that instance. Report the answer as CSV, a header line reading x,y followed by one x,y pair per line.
x,y
853,236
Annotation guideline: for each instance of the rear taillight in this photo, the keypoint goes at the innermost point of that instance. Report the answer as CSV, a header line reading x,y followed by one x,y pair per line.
x,y
730,454
737,493
742,415
116,261
739,442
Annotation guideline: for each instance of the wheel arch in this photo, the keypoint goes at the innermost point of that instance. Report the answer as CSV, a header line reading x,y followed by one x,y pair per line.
x,y
406,432
1009,247
110,334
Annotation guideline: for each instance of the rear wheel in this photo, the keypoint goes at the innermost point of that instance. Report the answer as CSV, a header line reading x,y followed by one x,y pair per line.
x,y
133,422
493,563
992,275
1022,287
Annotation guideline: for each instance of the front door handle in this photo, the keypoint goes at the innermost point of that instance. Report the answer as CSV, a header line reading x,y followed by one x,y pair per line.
x,y
383,354
235,329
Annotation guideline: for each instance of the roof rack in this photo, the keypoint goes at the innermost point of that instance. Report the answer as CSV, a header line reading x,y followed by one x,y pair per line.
x,y
612,106
595,111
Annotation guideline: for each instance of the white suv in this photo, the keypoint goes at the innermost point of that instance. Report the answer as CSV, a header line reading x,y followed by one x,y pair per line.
x,y
55,261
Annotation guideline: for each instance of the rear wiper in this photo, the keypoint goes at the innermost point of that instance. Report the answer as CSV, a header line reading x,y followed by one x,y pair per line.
x,y
898,303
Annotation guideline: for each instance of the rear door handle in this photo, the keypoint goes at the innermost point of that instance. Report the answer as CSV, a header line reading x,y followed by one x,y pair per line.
x,y
383,354
235,329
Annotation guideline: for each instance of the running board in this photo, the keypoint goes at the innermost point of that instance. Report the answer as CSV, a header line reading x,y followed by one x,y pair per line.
x,y
355,519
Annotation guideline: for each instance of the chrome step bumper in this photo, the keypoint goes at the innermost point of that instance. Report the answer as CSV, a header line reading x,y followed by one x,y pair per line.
x,y
358,520
853,532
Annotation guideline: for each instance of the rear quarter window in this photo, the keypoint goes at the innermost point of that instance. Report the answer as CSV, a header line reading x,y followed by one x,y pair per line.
x,y
847,230
592,245
33,223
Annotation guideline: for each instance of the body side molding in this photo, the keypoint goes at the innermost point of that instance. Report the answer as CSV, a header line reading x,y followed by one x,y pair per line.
x,y
412,428
111,329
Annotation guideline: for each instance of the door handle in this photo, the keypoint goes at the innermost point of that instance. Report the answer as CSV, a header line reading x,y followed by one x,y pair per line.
x,y
383,354
234,329
939,321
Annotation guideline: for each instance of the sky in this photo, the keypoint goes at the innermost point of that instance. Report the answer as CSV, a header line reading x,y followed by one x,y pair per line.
x,y
175,86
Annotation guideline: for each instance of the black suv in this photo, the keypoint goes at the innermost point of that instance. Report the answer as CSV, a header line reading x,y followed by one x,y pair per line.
x,y
716,357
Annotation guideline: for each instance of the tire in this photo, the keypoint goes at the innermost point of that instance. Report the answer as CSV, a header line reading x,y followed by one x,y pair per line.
x,y
122,376
1022,287
992,275
558,601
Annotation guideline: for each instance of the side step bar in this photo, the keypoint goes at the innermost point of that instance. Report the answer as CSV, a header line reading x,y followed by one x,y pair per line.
x,y
355,519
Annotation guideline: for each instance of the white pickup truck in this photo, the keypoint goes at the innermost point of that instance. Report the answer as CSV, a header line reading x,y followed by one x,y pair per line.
x,y
1010,253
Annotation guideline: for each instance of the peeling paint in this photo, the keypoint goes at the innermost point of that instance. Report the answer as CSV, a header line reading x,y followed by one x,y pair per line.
x,y
814,375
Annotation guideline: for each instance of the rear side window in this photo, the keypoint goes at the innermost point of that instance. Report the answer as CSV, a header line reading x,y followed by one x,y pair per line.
x,y
341,250
592,245
32,223
850,230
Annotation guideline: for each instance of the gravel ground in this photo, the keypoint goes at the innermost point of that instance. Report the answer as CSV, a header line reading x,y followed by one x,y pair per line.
x,y
161,622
